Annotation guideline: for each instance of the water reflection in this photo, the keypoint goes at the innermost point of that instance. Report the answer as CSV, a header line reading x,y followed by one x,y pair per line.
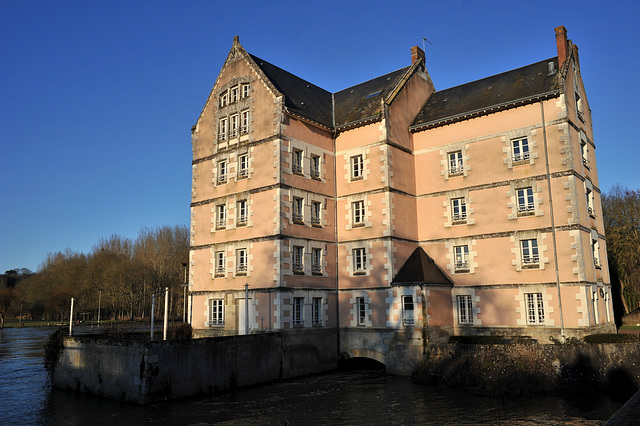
x,y
341,398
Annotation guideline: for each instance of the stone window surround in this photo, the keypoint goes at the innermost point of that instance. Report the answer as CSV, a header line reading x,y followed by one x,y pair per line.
x,y
448,213
516,250
521,305
366,223
354,309
507,149
451,255
349,247
462,291
230,250
512,196
308,151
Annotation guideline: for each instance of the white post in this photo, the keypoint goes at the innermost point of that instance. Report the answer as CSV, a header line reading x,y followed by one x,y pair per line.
x,y
246,308
153,307
99,301
166,312
71,319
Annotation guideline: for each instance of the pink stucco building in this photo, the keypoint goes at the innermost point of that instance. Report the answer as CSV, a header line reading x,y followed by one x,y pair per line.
x,y
392,207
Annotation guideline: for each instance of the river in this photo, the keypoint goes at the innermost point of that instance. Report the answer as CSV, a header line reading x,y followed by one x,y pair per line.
x,y
337,398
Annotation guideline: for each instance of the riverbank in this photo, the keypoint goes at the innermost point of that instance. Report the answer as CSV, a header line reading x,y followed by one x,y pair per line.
x,y
524,370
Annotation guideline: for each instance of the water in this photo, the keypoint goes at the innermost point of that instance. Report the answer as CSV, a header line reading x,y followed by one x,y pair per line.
x,y
339,398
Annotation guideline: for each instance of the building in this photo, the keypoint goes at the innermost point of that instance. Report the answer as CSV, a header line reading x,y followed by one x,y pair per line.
x,y
396,212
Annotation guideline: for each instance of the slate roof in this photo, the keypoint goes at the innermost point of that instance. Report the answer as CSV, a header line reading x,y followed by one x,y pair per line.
x,y
301,97
363,101
422,269
492,93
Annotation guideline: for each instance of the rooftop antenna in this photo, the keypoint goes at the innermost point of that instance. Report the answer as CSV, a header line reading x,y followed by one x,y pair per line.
x,y
423,46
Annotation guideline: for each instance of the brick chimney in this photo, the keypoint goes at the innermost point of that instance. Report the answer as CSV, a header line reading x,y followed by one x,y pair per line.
x,y
417,54
562,44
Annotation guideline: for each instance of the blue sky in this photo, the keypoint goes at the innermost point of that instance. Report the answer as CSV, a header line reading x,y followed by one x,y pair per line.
x,y
97,98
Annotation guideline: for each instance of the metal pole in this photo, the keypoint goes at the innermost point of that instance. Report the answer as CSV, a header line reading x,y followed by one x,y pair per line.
x,y
246,308
99,301
166,312
184,294
71,319
153,307
20,321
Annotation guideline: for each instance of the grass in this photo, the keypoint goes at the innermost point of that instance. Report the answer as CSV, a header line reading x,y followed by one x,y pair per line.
x,y
630,327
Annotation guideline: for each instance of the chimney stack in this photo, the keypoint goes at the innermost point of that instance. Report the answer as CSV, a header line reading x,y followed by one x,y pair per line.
x,y
562,44
417,54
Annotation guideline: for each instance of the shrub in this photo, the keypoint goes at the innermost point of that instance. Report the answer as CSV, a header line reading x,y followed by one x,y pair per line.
x,y
611,338
52,351
179,332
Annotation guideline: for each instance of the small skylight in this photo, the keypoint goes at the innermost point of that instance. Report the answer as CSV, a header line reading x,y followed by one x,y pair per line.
x,y
371,95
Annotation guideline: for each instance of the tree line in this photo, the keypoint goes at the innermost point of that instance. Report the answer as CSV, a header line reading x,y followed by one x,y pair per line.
x,y
117,277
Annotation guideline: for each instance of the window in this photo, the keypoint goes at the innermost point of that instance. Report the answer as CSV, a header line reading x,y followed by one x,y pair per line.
x,y
520,151
316,311
222,130
297,161
589,195
234,95
245,90
241,262
224,99
361,311
316,261
233,127
243,166
222,172
244,122
465,309
462,258
525,201
579,106
357,167
216,312
220,264
530,256
241,213
408,317
456,166
584,150
358,213
595,249
315,167
298,260
458,210
535,308
298,217
359,261
298,307
316,213
221,216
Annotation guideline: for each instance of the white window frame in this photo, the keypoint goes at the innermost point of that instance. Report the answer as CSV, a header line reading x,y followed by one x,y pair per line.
x,y
461,258
408,311
359,256
234,121
244,122
234,94
244,92
216,312
298,312
221,266
359,213
222,171
314,167
456,163
590,202
241,261
223,128
297,261
298,210
584,151
525,201
316,261
242,213
221,216
243,166
530,253
224,99
465,309
316,311
297,158
534,304
361,311
458,210
357,167
520,150
595,251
